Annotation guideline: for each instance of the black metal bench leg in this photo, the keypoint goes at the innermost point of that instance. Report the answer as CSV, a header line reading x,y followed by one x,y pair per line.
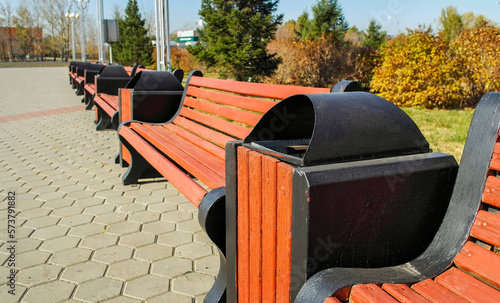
x,y
90,103
212,218
104,121
137,166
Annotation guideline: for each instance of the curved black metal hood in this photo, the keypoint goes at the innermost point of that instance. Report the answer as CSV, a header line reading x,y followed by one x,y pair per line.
x,y
337,127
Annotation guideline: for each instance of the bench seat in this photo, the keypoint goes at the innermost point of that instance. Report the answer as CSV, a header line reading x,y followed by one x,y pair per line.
x,y
192,144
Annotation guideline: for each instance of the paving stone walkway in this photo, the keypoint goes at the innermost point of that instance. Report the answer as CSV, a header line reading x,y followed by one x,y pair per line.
x,y
80,235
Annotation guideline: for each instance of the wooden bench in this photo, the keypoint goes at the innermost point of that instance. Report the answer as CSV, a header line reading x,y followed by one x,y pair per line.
x,y
213,112
108,81
146,96
462,263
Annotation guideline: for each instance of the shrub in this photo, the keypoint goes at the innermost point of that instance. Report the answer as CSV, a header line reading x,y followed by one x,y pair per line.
x,y
477,53
416,70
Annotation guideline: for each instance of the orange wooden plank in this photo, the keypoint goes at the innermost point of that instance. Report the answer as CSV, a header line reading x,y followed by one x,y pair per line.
x,y
435,292
104,105
284,232
248,103
255,211
255,89
403,293
112,100
370,293
269,215
223,111
332,300
491,193
243,272
125,99
189,188
215,164
202,143
472,290
202,131
192,165
486,228
480,263
495,164
227,127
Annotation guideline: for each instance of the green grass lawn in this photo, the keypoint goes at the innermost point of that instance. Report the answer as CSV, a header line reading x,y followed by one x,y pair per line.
x,y
445,130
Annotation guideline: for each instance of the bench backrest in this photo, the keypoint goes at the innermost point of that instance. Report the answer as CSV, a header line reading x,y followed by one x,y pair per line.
x,y
222,110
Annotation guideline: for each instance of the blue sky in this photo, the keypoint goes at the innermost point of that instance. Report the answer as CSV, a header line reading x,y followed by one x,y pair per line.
x,y
403,13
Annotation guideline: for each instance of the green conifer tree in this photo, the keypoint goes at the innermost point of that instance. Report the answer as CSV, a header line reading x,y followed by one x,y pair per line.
x,y
328,20
235,35
374,37
135,46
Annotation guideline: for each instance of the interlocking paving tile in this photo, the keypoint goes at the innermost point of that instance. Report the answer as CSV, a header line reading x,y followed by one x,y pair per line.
x,y
86,230
59,244
99,241
193,284
175,238
113,254
82,235
172,267
153,252
49,232
137,239
193,251
177,216
53,291
99,289
171,298
84,272
38,274
146,287
158,227
71,256
123,228
128,269
76,220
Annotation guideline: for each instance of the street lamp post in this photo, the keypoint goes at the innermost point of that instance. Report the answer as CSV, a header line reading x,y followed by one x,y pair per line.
x,y
72,17
83,41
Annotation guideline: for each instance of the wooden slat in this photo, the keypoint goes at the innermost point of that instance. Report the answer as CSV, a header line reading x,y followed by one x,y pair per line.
x,y
243,271
223,111
104,106
187,186
403,293
486,228
480,263
215,164
255,211
467,287
192,165
112,100
202,131
256,105
284,232
491,193
495,164
332,300
125,115
435,292
255,89
269,215
90,88
370,293
202,143
227,127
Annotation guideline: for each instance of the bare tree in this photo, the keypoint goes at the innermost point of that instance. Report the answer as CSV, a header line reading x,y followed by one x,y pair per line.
x,y
54,14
